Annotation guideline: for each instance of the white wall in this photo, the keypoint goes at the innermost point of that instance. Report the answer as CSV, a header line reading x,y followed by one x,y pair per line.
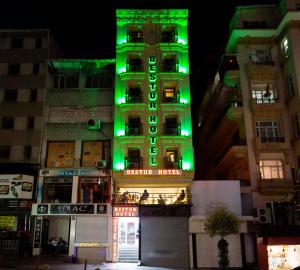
x,y
209,194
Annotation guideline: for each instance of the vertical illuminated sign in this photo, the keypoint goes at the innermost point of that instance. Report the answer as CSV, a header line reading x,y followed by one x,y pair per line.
x,y
153,117
115,239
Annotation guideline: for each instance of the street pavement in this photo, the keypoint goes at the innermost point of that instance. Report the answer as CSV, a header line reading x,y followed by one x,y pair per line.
x,y
58,263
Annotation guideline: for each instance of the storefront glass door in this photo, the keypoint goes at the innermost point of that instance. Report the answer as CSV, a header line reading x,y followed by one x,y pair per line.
x,y
128,231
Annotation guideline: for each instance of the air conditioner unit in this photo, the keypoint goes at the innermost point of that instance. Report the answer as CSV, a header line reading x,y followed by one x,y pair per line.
x,y
264,215
94,123
102,164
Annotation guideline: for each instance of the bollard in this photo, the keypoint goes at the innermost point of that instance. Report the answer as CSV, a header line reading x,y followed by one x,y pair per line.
x,y
85,264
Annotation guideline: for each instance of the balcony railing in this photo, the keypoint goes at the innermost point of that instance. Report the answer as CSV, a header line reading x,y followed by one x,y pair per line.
x,y
272,139
133,129
169,37
271,100
135,198
135,37
134,67
133,98
169,67
133,163
275,186
172,129
172,164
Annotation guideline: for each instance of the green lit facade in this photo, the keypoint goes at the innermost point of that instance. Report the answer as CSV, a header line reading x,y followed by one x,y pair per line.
x,y
152,90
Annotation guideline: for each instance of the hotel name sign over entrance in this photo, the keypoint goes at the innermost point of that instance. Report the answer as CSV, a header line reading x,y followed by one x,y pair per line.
x,y
153,172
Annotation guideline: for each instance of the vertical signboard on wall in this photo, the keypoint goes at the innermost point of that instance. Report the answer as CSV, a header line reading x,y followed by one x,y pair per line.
x,y
37,238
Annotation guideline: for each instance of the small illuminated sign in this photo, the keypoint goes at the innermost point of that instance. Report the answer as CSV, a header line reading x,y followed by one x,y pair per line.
x,y
125,211
154,172
115,240
90,244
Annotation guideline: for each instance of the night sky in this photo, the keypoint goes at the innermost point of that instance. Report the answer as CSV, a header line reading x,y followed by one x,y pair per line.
x,y
86,29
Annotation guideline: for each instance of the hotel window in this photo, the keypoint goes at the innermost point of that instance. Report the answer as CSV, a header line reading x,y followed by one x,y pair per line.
x,y
169,63
10,95
271,169
134,94
14,69
285,48
134,63
171,160
4,152
93,190
171,126
66,81
7,122
264,93
268,131
170,95
57,190
296,126
133,127
60,154
135,36
169,34
17,43
134,159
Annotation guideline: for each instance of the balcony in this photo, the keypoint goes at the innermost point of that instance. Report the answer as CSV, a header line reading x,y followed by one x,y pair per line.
x,y
135,37
278,186
133,129
135,198
172,164
261,71
271,143
133,163
172,129
134,96
169,37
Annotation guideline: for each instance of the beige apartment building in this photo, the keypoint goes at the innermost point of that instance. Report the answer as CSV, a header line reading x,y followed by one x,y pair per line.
x,y
249,125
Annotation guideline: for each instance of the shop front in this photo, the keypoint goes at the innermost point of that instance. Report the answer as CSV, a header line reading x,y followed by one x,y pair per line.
x,y
278,253
85,229
126,234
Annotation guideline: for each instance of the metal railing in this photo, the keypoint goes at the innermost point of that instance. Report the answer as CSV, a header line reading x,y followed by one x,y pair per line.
x,y
135,198
272,139
133,163
172,164
133,129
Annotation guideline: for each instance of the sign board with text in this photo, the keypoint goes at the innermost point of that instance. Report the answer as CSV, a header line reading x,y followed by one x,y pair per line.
x,y
16,186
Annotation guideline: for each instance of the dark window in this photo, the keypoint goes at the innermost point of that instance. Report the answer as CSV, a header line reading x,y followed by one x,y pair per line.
x,y
135,36
66,81
30,122
169,64
247,204
7,123
133,127
58,190
13,69
4,151
134,65
33,95
133,95
172,127
169,36
133,161
27,151
255,24
98,81
38,43
10,95
17,43
36,68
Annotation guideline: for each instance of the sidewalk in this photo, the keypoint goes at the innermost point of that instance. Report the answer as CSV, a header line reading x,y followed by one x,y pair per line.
x,y
58,263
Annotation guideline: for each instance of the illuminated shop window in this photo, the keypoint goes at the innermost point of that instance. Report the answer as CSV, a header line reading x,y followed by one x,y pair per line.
x,y
271,169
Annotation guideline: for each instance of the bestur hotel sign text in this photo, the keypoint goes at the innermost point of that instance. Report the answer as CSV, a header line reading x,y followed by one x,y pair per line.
x,y
153,172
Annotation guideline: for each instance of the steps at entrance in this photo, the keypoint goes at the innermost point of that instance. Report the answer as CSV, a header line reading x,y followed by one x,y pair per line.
x,y
128,254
